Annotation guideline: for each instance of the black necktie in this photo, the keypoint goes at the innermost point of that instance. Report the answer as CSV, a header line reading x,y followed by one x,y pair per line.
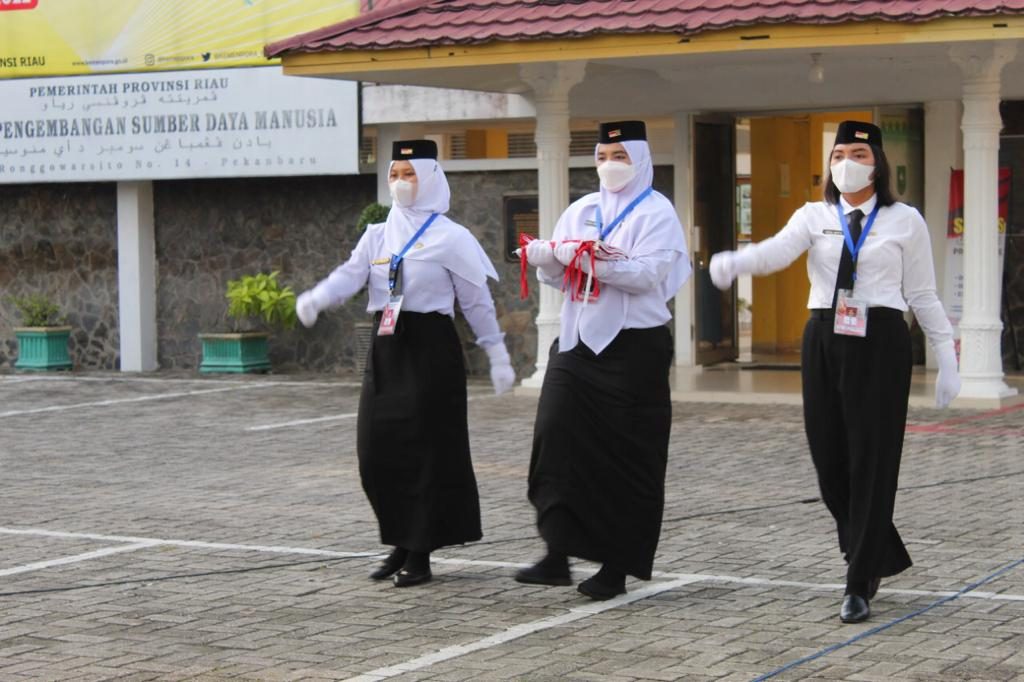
x,y
845,278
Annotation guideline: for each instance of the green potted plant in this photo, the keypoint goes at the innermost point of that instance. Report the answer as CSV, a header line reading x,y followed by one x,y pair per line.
x,y
253,301
43,334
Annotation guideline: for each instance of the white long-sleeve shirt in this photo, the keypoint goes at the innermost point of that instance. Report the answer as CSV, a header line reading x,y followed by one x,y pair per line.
x,y
634,292
894,267
427,287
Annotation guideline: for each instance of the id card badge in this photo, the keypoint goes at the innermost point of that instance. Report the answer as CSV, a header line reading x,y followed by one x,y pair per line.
x,y
389,316
851,315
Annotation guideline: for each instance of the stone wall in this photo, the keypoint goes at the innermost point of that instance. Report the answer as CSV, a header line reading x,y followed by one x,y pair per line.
x,y
212,231
61,240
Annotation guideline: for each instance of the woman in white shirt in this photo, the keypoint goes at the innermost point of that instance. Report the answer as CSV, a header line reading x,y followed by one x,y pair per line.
x,y
413,440
869,259
597,471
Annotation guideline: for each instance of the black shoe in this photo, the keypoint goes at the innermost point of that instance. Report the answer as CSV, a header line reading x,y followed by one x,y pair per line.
x,y
873,587
407,578
390,565
598,591
540,574
855,609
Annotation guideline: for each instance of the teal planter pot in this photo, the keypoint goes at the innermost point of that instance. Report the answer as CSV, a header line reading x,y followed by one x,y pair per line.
x,y
43,348
235,353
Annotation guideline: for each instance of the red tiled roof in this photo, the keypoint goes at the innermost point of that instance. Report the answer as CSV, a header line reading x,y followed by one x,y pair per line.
x,y
418,23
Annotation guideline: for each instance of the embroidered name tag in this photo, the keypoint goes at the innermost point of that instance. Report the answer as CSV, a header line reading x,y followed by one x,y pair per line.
x,y
840,233
591,223
380,261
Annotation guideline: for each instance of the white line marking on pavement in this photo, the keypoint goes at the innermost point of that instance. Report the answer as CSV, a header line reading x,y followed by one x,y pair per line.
x,y
687,578
329,418
731,579
517,631
138,399
16,380
188,543
300,422
106,551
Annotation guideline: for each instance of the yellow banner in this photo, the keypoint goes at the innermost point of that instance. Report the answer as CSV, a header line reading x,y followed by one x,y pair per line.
x,y
74,37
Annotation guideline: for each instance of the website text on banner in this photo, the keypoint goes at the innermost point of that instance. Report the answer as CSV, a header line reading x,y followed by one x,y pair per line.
x,y
77,37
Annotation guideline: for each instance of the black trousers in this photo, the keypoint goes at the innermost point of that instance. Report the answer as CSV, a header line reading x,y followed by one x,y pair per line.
x,y
855,393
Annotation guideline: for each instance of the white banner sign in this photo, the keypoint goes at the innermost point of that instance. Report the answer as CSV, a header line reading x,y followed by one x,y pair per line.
x,y
218,123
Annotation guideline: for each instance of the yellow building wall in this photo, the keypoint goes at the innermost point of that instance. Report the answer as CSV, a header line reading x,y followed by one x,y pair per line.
x,y
488,143
787,171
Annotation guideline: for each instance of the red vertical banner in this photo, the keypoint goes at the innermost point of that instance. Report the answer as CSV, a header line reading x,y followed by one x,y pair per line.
x,y
955,226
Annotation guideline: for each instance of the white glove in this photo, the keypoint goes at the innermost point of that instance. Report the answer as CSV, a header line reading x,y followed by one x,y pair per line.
x,y
723,269
540,254
503,377
306,309
565,252
947,384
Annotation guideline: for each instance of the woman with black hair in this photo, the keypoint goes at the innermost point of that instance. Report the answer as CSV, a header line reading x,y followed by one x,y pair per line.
x,y
869,259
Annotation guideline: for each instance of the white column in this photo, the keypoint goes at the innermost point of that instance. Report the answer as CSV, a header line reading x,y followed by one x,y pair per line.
x,y
943,150
686,353
981,362
551,83
136,276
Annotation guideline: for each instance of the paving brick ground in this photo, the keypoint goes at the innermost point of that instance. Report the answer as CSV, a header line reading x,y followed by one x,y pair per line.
x,y
156,528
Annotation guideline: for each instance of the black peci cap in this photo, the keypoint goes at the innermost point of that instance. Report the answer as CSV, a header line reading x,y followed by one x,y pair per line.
x,y
621,131
403,150
857,131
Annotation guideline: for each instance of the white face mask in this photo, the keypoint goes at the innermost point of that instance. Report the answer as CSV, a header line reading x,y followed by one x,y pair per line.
x,y
403,192
850,176
615,175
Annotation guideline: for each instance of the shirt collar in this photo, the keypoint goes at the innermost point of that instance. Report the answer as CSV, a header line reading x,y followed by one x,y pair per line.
x,y
866,208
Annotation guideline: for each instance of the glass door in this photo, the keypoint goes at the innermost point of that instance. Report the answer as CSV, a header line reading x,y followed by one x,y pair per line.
x,y
714,229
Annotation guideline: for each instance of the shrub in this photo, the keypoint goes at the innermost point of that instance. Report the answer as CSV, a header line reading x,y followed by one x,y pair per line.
x,y
261,297
374,213
37,310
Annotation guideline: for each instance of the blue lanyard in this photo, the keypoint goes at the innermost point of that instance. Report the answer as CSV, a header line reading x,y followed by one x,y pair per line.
x,y
615,223
397,260
848,238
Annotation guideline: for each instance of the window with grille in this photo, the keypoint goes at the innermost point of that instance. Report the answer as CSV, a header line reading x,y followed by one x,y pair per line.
x,y
457,146
521,146
582,142
367,150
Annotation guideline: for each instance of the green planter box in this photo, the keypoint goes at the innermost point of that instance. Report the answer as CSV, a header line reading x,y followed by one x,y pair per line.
x,y
43,348
237,353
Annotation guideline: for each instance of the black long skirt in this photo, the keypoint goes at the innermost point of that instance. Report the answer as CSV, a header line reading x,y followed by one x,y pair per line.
x,y
413,438
855,393
600,446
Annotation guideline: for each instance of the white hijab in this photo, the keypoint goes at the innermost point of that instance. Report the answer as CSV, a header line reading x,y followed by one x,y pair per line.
x,y
613,203
444,242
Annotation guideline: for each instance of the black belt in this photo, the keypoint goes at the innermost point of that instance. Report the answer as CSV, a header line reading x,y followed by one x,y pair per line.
x,y
874,313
